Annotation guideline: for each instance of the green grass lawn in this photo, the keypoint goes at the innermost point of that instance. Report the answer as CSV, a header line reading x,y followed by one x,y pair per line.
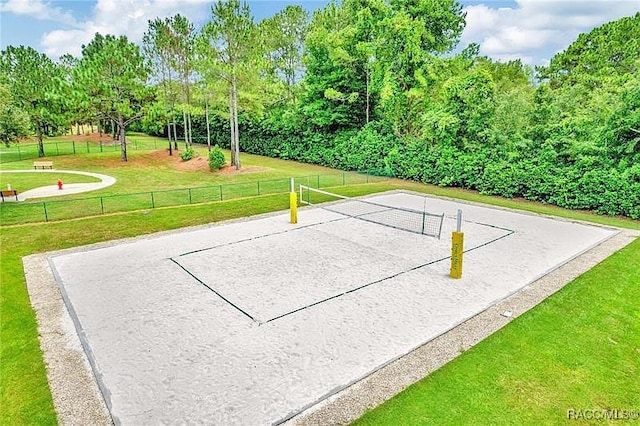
x,y
579,349
24,181
68,144
152,179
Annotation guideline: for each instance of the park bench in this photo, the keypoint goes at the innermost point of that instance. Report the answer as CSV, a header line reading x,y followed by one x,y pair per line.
x,y
9,193
43,164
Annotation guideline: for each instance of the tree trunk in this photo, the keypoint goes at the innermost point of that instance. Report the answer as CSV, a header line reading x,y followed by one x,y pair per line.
x,y
206,114
77,129
185,129
368,95
91,127
123,142
175,135
236,133
190,132
40,144
169,135
233,129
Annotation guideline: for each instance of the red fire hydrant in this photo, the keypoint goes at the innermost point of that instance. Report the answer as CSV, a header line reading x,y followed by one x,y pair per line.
x,y
59,184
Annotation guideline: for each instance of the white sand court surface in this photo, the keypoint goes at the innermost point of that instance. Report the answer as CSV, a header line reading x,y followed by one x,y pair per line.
x,y
254,321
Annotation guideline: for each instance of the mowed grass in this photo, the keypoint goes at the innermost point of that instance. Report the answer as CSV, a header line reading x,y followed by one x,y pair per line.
x,y
152,179
154,170
25,181
578,349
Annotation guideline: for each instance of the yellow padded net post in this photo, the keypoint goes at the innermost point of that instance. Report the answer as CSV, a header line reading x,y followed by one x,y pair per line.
x,y
293,203
457,249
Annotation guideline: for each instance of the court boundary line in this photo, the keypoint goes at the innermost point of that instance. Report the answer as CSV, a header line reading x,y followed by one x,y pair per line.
x,y
216,292
508,233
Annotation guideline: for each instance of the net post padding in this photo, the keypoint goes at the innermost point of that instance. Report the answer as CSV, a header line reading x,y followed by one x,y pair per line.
x,y
293,203
457,248
406,219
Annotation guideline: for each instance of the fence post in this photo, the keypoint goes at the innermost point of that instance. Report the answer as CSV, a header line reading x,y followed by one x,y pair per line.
x,y
258,187
101,206
73,143
87,147
220,192
318,181
57,149
342,178
153,203
46,216
19,154
100,145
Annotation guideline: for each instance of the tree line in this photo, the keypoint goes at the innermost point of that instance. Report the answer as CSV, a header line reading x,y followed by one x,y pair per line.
x,y
361,85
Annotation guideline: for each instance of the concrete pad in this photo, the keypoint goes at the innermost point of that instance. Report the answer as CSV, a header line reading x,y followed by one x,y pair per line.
x,y
166,345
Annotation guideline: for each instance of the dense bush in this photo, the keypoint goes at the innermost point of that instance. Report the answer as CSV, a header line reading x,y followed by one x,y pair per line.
x,y
216,158
187,154
535,173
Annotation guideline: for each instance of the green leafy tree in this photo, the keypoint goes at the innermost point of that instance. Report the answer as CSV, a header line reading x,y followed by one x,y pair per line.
x,y
182,38
14,122
157,48
621,133
36,84
611,49
234,51
365,56
112,75
284,35
513,95
408,37
335,80
77,112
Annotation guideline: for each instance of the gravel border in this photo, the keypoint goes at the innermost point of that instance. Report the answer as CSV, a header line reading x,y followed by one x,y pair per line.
x,y
78,400
76,397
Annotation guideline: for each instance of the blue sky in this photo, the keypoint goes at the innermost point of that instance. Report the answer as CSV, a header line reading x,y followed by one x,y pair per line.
x,y
530,30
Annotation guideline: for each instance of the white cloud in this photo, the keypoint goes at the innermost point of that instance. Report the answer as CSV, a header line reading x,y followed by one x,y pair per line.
x,y
121,17
38,9
538,29
515,39
57,43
